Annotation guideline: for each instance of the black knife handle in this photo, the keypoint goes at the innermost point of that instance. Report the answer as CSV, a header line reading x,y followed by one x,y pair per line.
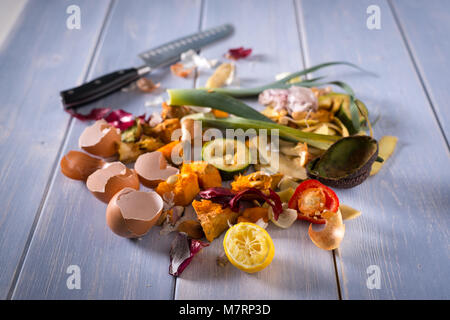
x,y
99,87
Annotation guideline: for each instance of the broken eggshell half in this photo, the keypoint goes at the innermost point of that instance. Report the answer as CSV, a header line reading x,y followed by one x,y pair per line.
x,y
132,213
152,169
100,139
79,165
113,177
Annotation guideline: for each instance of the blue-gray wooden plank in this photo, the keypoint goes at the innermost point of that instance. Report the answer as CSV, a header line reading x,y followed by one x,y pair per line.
x,y
299,269
426,27
404,226
72,228
40,56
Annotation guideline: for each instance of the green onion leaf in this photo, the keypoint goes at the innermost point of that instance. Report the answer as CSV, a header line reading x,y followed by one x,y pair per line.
x,y
283,83
320,66
216,100
354,109
319,141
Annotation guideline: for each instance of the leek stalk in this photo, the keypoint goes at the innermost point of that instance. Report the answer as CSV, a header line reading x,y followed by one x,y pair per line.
x,y
216,100
319,141
283,83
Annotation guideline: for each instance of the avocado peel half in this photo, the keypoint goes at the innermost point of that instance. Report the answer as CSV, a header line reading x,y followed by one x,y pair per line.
x,y
346,163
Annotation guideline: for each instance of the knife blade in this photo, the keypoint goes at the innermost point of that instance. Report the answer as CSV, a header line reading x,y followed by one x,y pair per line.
x,y
160,56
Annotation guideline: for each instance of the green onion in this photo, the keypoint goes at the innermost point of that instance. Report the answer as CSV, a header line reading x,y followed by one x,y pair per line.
x,y
283,83
319,141
355,110
219,101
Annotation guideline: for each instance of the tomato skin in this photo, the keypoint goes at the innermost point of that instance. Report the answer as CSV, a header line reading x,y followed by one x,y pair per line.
x,y
315,221
332,201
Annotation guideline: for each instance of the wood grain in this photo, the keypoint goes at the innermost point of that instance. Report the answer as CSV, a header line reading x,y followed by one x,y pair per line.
x,y
72,228
40,57
299,269
429,43
404,226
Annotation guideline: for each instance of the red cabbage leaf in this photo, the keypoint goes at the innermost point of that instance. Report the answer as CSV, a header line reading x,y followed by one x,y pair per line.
x,y
182,252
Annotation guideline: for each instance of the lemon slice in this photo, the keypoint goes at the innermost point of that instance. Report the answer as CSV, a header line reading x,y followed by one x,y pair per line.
x,y
285,219
248,247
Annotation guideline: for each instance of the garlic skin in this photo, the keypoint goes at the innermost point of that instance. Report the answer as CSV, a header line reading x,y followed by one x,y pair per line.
x,y
286,219
291,101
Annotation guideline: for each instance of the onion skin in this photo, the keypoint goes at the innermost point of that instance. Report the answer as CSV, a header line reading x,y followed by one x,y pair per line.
x,y
330,237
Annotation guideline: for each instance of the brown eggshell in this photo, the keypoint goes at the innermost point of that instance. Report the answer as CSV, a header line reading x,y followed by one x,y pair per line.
x,y
100,139
113,177
152,169
330,237
132,213
79,165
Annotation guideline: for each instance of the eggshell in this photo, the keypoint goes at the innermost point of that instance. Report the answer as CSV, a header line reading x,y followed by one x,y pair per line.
x,y
79,165
100,139
152,168
113,177
132,213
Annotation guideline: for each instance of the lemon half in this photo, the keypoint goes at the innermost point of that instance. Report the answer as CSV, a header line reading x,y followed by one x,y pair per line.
x,y
248,247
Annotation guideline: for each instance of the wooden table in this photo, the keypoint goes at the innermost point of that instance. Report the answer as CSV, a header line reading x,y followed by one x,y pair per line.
x,y
49,222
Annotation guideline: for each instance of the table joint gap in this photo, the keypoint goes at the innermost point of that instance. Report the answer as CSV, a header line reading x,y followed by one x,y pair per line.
x,y
194,85
417,69
303,50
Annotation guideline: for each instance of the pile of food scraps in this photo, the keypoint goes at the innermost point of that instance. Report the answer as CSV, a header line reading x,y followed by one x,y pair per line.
x,y
231,185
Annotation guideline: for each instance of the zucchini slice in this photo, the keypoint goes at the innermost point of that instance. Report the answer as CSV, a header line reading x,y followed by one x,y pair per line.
x,y
230,156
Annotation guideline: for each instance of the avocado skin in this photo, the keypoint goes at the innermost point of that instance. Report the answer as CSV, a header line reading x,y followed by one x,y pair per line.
x,y
343,183
347,182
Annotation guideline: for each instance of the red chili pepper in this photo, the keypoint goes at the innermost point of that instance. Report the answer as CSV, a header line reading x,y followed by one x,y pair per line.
x,y
331,199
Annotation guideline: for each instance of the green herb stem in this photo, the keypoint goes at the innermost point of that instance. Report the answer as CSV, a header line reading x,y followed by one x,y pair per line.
x,y
319,141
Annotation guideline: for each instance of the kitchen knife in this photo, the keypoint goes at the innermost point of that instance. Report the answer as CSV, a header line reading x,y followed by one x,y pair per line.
x,y
158,57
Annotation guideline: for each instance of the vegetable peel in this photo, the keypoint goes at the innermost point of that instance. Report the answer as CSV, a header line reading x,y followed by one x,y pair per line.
x,y
330,237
